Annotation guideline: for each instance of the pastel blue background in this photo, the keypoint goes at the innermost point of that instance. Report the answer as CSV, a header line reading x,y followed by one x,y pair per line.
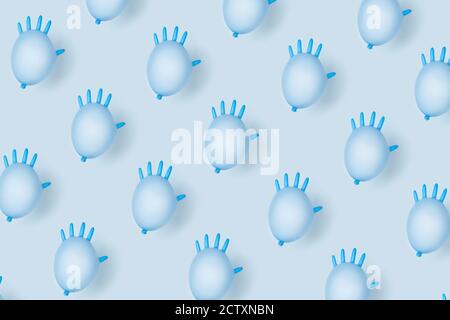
x,y
371,217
